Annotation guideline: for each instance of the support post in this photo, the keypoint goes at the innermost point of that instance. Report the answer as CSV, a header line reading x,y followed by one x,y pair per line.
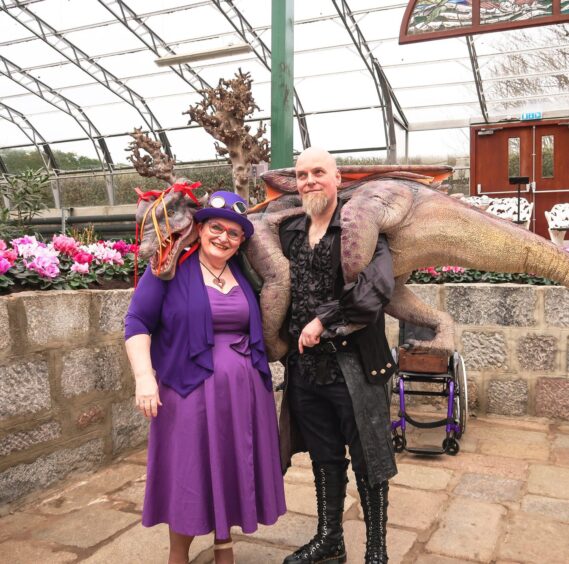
x,y
282,83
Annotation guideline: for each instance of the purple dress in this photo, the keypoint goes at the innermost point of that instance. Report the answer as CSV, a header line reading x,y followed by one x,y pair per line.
x,y
213,456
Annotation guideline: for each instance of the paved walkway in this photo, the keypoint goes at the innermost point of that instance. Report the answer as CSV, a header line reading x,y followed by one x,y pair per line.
x,y
504,498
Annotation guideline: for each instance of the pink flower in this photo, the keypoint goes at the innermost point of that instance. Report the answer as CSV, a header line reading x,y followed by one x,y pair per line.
x,y
80,268
46,266
455,269
122,247
5,265
83,257
103,253
10,255
431,271
27,246
2,245
65,245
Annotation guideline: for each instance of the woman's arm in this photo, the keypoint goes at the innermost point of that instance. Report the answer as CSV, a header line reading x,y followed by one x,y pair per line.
x,y
147,396
142,319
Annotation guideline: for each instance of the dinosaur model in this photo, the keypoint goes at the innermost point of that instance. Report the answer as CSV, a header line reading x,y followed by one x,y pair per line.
x,y
423,226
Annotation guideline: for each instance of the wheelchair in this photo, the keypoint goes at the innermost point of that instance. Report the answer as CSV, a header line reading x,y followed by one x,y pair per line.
x,y
445,377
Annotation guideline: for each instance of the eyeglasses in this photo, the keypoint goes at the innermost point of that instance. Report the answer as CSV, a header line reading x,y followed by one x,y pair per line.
x,y
219,202
218,229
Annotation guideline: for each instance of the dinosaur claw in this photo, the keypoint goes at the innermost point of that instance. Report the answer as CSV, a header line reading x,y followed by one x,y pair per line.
x,y
436,345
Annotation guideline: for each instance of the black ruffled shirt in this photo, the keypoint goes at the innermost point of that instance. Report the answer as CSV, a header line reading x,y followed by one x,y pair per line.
x,y
314,283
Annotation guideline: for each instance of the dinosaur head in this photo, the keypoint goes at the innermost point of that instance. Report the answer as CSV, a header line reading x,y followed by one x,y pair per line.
x,y
166,225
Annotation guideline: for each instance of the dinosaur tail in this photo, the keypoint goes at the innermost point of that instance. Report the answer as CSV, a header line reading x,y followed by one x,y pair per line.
x,y
465,236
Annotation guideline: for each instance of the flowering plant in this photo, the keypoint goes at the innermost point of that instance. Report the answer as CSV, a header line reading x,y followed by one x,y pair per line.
x,y
63,263
449,274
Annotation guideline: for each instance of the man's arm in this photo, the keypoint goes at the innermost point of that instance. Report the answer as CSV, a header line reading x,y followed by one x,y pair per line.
x,y
361,301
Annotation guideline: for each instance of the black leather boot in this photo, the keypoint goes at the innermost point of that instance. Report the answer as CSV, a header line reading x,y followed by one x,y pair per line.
x,y
328,543
374,505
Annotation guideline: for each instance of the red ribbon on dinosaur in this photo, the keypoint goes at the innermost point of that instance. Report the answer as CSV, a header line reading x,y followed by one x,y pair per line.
x,y
184,187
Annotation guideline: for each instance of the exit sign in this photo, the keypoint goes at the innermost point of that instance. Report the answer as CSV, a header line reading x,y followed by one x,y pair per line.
x,y
531,115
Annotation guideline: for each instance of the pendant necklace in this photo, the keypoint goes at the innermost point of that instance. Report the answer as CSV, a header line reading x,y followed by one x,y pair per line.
x,y
217,280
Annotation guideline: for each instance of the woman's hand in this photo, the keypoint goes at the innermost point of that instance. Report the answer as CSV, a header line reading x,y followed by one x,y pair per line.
x,y
310,335
147,396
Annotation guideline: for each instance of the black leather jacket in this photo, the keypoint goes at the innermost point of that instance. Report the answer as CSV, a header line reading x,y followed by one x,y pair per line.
x,y
369,365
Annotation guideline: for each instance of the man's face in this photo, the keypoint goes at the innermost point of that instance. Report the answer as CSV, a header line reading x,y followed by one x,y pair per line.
x,y
317,180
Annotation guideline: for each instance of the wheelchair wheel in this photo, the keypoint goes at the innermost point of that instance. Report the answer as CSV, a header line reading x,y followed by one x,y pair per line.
x,y
451,446
460,408
399,443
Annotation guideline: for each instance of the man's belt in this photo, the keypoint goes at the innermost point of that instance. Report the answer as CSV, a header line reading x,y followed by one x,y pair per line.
x,y
330,346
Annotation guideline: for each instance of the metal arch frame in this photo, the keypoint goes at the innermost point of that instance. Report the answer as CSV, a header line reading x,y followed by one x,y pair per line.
x,y
46,93
42,30
48,158
477,77
385,93
263,53
125,15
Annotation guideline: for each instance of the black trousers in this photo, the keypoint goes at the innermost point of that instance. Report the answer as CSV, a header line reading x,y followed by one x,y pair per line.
x,y
325,417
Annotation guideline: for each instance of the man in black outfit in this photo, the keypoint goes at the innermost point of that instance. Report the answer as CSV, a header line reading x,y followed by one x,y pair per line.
x,y
336,391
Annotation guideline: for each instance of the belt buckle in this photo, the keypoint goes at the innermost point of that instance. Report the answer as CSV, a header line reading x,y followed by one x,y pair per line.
x,y
330,347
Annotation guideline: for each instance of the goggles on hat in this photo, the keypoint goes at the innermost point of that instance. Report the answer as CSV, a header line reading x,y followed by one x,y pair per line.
x,y
218,202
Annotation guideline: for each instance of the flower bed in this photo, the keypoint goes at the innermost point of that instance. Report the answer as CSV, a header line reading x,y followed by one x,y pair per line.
x,y
65,264
457,274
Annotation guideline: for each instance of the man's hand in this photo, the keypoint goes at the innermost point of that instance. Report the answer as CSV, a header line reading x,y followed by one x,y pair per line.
x,y
310,335
147,397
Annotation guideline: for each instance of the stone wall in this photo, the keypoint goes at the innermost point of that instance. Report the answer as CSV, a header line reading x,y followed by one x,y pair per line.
x,y
515,343
66,391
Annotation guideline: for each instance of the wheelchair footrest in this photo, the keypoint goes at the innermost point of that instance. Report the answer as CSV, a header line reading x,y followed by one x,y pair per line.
x,y
426,450
425,424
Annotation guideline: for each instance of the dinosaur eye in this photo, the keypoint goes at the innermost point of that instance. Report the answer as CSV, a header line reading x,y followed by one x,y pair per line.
x,y
171,213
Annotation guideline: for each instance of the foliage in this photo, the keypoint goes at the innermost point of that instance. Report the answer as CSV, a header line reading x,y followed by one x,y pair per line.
x,y
457,274
25,194
64,263
19,160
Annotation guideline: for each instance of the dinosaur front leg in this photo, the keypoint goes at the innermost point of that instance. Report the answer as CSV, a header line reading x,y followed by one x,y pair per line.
x,y
266,257
406,306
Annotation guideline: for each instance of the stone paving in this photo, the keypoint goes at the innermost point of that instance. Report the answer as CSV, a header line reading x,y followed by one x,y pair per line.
x,y
503,499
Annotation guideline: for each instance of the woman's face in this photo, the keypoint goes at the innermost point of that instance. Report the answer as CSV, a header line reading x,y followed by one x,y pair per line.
x,y
220,239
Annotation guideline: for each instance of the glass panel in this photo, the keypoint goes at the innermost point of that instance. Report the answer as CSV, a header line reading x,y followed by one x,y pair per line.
x,y
18,160
547,152
115,118
514,156
347,130
439,15
565,6
77,155
79,191
10,133
443,147
56,126
496,11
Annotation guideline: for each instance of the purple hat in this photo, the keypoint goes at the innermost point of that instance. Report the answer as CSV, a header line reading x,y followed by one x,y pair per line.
x,y
227,205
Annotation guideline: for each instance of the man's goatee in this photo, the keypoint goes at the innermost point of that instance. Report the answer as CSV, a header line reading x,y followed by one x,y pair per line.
x,y
314,203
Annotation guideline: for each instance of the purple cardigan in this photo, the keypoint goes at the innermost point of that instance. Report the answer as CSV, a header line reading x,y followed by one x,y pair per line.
x,y
177,314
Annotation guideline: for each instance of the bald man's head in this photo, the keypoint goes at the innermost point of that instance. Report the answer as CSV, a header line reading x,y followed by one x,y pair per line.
x,y
317,180
318,154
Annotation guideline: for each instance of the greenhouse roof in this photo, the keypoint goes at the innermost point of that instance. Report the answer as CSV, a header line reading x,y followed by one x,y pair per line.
x,y
78,75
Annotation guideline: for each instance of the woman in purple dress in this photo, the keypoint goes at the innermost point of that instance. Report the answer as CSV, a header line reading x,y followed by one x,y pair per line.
x,y
196,349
